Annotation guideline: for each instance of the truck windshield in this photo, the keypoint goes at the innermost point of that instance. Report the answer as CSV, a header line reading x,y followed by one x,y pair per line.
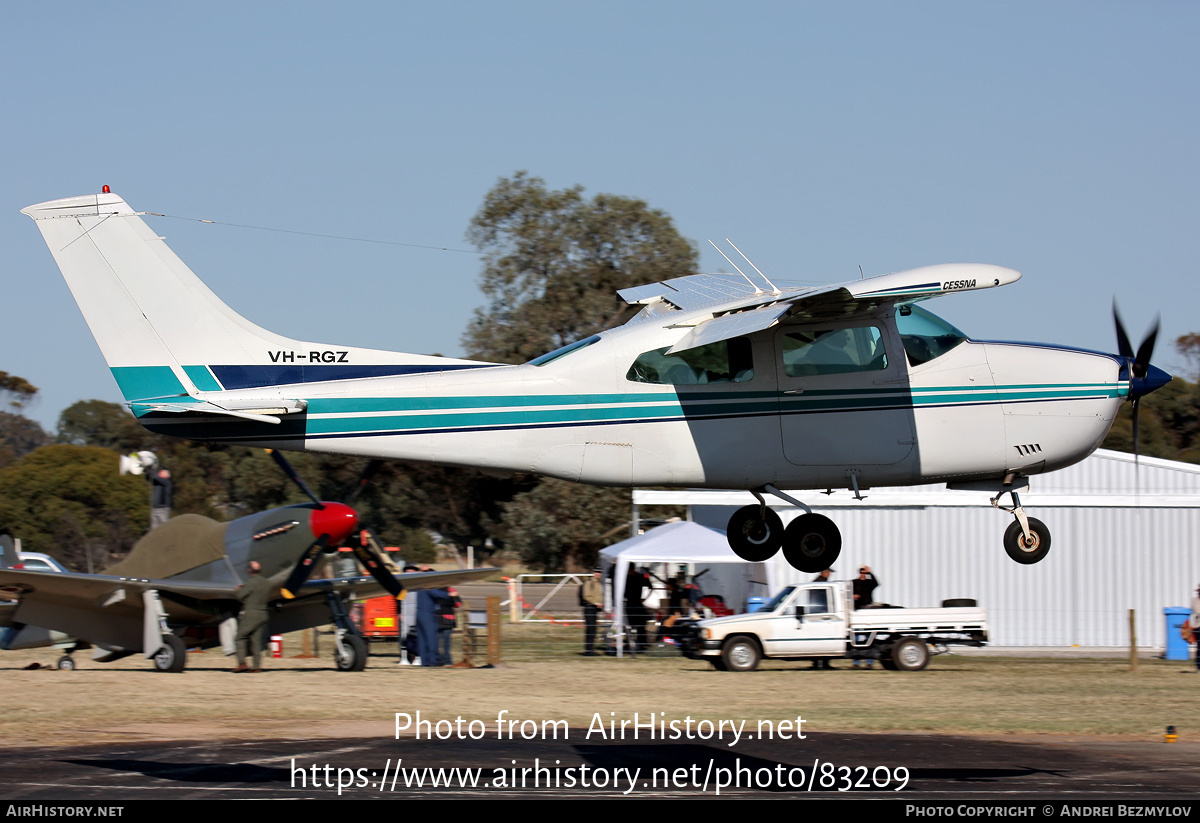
x,y
777,599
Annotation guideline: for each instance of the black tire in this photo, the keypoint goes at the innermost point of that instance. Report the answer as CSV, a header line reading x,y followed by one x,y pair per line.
x,y
741,654
754,537
1027,553
355,658
66,663
812,543
910,654
171,656
959,603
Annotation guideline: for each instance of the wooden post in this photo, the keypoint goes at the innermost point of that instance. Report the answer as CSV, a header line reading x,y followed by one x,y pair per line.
x,y
514,604
493,630
1133,659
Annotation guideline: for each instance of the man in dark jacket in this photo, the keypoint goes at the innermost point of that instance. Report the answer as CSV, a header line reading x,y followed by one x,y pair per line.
x,y
254,596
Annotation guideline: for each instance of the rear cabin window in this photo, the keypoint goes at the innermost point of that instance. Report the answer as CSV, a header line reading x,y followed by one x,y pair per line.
x,y
727,361
833,351
551,356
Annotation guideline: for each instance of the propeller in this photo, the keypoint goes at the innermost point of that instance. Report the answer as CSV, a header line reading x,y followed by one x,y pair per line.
x,y
332,523
1143,378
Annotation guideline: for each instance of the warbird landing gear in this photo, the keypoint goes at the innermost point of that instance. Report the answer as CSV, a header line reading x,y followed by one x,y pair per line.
x,y
811,542
1026,540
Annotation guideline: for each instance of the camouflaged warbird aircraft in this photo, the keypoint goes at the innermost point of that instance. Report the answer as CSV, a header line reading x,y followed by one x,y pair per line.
x,y
720,381
177,588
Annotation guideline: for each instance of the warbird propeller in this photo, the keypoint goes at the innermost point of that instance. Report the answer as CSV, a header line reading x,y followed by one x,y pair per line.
x,y
178,587
720,381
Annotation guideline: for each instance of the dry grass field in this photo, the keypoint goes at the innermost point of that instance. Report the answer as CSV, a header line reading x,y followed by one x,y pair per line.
x,y
543,678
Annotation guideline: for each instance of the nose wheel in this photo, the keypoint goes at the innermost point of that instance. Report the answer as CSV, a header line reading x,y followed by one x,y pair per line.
x,y
1027,550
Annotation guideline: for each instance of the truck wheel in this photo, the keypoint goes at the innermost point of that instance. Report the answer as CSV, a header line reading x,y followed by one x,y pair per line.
x,y
910,654
1027,552
740,654
718,664
888,663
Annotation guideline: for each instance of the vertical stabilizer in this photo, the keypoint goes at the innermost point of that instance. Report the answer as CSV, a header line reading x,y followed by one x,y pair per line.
x,y
163,332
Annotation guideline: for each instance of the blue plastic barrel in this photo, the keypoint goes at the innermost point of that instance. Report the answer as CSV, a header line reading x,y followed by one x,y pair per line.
x,y
753,604
1176,648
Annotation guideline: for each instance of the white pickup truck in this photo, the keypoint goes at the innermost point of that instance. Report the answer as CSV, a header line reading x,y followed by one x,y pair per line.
x,y
817,620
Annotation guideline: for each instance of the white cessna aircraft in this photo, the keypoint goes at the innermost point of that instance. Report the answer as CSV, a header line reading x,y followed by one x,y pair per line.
x,y
720,381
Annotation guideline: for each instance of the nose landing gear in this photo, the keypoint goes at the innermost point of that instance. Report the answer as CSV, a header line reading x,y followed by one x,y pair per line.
x,y
1026,540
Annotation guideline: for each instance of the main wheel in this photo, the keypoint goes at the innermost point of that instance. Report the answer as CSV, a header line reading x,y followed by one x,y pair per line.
x,y
355,657
740,654
754,536
1025,551
910,654
66,663
172,657
811,543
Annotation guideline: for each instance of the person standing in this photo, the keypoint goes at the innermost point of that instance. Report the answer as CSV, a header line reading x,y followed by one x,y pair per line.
x,y
447,621
864,588
429,603
254,595
636,614
1194,623
591,598
160,498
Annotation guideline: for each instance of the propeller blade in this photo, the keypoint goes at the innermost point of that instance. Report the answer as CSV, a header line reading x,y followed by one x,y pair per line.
x,y
1141,363
282,462
367,473
304,567
366,549
1123,347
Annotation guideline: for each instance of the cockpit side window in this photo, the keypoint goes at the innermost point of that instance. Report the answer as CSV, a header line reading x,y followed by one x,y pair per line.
x,y
925,335
833,351
726,361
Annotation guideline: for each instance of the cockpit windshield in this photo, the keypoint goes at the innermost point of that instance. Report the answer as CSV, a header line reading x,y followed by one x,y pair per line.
x,y
925,335
563,351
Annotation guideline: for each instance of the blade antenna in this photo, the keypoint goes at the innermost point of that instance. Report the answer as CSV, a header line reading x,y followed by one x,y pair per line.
x,y
774,288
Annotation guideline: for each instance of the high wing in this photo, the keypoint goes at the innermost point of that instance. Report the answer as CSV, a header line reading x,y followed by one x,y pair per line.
x,y
737,306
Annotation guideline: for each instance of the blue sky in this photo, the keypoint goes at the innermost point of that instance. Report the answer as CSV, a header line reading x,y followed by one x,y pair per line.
x,y
1057,138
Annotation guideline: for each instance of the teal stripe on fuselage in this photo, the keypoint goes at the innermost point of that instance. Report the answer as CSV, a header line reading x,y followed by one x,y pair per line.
x,y
505,412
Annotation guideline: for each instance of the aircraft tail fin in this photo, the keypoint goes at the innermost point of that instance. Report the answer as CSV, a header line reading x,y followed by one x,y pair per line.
x,y
163,332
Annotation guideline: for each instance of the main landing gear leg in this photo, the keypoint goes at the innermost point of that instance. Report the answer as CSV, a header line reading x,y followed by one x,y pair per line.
x,y
1026,540
810,543
350,650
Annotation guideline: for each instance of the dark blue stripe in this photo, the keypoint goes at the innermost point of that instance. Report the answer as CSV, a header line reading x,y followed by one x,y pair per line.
x,y
287,374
